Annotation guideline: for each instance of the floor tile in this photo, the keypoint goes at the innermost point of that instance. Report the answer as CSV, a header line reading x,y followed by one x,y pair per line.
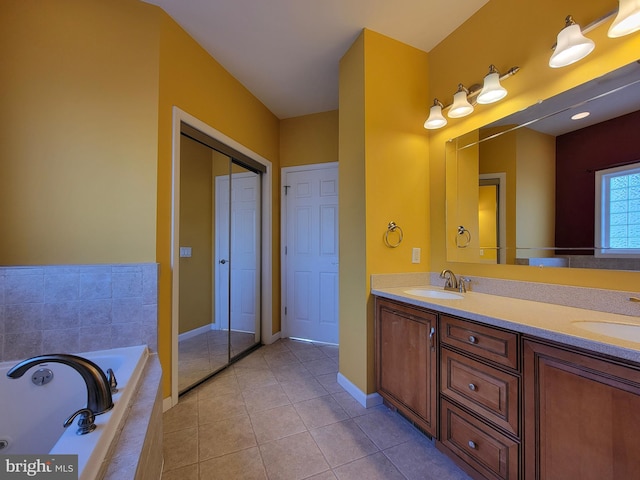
x,y
276,423
418,459
180,448
265,398
386,428
343,442
245,465
226,436
190,472
373,467
306,389
292,458
280,414
321,411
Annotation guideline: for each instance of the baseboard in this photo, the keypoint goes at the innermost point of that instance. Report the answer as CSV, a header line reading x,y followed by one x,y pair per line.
x,y
195,331
367,401
167,403
274,337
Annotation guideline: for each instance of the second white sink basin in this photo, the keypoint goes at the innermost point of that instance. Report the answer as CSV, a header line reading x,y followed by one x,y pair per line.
x,y
623,331
439,294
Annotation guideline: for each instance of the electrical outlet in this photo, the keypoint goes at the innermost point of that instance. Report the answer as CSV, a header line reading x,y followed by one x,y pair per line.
x,y
415,255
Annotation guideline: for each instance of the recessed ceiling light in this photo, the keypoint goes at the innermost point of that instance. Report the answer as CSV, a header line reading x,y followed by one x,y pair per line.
x,y
579,116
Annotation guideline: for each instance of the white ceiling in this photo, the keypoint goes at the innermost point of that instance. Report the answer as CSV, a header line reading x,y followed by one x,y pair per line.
x,y
286,52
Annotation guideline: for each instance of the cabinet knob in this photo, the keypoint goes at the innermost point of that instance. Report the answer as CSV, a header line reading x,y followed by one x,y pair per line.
x,y
472,339
472,444
472,387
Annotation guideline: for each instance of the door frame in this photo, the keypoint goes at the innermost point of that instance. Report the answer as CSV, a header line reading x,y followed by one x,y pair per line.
x,y
501,178
283,234
267,337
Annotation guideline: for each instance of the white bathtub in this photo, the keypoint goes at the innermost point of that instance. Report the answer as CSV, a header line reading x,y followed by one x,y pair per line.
x,y
31,416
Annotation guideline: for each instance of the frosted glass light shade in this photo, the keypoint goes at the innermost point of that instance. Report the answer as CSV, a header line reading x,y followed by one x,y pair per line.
x,y
571,47
461,106
491,91
628,19
435,120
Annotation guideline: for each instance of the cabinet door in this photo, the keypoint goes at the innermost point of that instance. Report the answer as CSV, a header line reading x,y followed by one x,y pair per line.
x,y
582,415
406,361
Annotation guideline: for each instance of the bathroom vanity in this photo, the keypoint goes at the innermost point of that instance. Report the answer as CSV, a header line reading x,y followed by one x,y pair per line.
x,y
511,388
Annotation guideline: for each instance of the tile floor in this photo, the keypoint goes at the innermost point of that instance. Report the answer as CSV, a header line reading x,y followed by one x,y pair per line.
x,y
280,414
202,354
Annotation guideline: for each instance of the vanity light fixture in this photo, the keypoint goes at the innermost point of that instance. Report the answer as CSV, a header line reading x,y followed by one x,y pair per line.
x,y
436,119
491,91
571,46
464,99
461,106
628,19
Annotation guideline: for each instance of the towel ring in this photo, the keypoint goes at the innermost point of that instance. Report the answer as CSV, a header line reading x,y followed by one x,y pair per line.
x,y
463,238
393,228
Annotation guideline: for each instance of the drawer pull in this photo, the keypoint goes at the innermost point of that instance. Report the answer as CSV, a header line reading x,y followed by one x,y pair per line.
x,y
472,339
472,387
472,444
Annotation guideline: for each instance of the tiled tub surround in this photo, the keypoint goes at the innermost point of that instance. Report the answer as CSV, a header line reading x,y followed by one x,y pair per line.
x,y
136,451
76,308
542,310
81,308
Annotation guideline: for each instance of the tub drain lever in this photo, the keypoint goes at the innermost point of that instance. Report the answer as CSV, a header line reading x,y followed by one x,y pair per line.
x,y
85,422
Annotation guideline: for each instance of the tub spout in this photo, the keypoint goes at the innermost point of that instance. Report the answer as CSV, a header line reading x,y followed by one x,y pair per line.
x,y
99,398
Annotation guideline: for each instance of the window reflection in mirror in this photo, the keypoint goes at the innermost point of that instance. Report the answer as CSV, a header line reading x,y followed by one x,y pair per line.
x,y
545,206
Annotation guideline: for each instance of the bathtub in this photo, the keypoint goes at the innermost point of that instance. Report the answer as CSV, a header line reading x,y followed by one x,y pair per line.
x,y
32,415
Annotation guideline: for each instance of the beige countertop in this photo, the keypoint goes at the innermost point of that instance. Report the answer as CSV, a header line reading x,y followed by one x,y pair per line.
x,y
543,320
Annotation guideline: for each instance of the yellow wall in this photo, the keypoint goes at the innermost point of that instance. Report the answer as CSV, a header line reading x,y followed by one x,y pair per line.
x,y
383,177
87,91
196,231
78,148
536,195
195,82
508,33
309,139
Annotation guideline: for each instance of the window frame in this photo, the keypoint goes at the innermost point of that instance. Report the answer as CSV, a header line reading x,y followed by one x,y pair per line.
x,y
601,224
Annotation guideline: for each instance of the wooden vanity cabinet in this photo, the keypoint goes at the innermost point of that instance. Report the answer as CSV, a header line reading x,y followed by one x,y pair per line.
x,y
405,361
480,384
581,415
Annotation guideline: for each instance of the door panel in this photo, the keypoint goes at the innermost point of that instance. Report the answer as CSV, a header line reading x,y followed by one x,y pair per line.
x,y
311,287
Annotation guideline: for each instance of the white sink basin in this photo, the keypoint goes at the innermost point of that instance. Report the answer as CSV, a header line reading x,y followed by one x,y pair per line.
x,y
439,294
623,331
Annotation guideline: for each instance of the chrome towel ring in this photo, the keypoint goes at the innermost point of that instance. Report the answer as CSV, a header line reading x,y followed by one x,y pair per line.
x,y
463,238
393,228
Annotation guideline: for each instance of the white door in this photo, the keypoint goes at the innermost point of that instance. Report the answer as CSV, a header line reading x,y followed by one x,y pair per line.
x,y
237,252
310,207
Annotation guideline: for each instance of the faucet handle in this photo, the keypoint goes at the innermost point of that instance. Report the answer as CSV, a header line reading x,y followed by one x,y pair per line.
x,y
85,422
113,383
462,284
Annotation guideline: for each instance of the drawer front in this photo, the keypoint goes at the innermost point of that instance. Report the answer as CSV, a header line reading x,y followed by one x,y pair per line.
x,y
487,342
491,393
487,450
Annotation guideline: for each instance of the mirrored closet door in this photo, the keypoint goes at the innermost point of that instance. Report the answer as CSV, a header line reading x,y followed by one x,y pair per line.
x,y
220,244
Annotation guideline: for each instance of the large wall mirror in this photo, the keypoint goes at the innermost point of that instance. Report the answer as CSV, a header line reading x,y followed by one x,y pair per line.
x,y
523,189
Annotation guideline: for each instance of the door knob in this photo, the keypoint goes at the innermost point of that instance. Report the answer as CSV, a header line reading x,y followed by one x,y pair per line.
x,y
223,261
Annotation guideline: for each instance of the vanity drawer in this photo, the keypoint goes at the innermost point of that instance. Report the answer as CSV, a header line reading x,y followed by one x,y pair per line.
x,y
488,451
487,342
491,393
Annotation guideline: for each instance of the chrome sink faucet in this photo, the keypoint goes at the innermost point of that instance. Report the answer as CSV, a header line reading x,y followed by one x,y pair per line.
x,y
99,399
450,280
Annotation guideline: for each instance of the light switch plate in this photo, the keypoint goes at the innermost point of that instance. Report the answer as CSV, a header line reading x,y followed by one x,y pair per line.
x,y
185,252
